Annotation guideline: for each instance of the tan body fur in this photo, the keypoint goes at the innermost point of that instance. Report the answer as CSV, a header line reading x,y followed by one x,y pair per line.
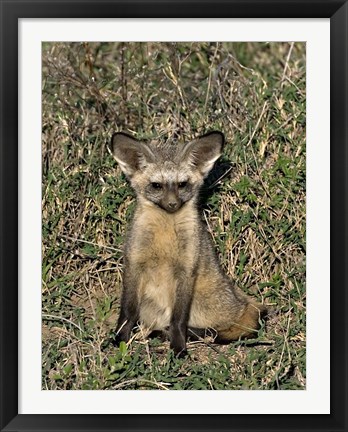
x,y
172,278
158,244
160,241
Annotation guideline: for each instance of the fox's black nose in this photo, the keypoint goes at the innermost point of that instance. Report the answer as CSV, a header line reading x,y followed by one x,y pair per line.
x,y
173,205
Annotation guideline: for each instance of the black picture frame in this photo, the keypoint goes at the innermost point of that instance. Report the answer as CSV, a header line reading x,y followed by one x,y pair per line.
x,y
11,11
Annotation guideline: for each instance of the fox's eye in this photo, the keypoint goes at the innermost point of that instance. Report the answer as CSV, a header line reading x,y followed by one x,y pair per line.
x,y
183,184
156,185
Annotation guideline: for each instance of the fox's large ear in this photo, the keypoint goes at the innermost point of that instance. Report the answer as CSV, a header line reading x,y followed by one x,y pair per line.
x,y
204,151
130,153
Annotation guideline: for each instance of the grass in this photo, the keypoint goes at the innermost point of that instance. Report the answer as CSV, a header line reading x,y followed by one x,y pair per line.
x,y
255,94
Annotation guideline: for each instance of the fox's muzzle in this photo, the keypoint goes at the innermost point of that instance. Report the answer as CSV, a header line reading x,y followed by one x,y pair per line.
x,y
171,202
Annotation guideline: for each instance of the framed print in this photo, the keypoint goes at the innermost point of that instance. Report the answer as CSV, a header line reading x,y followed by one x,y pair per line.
x,y
173,224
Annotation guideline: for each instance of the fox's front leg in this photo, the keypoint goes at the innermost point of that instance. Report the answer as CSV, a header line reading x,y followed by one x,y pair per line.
x,y
129,313
181,313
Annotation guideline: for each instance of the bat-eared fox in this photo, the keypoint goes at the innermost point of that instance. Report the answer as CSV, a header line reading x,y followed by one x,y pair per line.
x,y
172,280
